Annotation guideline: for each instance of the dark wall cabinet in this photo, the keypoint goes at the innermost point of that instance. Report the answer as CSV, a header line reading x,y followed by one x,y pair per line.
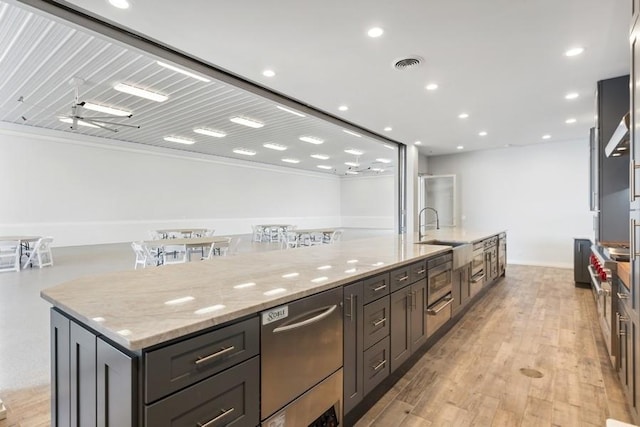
x,y
92,383
581,253
612,192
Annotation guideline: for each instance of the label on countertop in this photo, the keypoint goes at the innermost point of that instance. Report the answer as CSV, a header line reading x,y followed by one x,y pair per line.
x,y
275,314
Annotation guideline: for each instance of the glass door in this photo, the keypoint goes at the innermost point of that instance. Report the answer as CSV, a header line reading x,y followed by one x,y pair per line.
x,y
439,193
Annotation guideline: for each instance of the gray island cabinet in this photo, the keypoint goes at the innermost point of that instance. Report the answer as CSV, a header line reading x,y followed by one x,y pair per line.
x,y
181,345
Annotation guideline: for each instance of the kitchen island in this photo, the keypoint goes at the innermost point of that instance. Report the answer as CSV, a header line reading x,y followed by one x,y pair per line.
x,y
135,347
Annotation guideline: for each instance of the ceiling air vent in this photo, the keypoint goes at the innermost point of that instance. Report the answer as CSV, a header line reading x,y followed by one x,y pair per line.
x,y
407,63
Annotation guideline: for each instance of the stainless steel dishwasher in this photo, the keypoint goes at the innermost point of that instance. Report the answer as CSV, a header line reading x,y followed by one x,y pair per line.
x,y
301,362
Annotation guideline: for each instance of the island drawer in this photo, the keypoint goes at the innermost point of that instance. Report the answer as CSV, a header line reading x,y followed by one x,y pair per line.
x,y
376,365
376,287
418,271
229,398
179,365
400,277
376,321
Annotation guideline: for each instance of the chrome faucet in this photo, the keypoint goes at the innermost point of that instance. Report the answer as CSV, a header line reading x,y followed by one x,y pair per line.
x,y
420,222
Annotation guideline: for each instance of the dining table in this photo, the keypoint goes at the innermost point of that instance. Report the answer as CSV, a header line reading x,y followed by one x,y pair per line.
x,y
184,231
189,243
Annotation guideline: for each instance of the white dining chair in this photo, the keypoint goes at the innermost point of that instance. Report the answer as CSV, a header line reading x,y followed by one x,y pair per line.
x,y
174,254
40,254
211,252
316,239
10,255
258,233
290,240
336,236
145,256
231,247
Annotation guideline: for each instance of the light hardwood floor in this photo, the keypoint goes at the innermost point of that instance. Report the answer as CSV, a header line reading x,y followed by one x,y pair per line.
x,y
533,319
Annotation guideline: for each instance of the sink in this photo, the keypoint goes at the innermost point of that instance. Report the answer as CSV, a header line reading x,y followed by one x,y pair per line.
x,y
441,242
462,252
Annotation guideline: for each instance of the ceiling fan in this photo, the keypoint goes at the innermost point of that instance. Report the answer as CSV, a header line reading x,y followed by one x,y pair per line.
x,y
375,167
79,108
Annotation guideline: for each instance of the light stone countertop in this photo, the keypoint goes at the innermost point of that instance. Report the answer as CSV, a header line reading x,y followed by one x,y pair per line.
x,y
142,308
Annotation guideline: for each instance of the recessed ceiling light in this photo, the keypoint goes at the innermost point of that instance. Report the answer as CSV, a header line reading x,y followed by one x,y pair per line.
x,y
354,152
311,140
120,4
463,116
325,167
343,108
273,146
351,133
290,111
418,143
179,140
383,160
105,109
574,51
546,136
320,156
80,122
142,93
354,164
246,122
352,173
210,132
268,73
244,152
288,160
460,147
431,86
570,121
377,169
375,32
182,71
388,129
482,133
572,95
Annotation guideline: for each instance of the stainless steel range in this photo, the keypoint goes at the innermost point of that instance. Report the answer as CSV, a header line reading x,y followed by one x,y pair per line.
x,y
602,270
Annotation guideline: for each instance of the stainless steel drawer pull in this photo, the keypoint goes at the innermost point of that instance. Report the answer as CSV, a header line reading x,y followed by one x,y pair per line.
x,y
379,288
379,365
216,354
421,271
477,279
622,296
224,413
403,278
434,311
314,319
379,322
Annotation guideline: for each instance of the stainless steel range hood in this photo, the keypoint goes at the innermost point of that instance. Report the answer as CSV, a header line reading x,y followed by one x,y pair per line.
x,y
618,145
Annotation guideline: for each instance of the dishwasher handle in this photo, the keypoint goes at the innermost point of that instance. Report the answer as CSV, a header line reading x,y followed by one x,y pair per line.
x,y
313,319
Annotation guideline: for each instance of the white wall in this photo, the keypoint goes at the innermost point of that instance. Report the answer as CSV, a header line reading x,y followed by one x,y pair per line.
x,y
368,201
539,193
81,191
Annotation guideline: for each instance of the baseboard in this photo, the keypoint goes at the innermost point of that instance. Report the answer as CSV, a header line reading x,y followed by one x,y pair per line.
x,y
541,264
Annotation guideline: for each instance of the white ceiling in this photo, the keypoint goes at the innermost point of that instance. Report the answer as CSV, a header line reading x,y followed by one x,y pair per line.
x,y
500,61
